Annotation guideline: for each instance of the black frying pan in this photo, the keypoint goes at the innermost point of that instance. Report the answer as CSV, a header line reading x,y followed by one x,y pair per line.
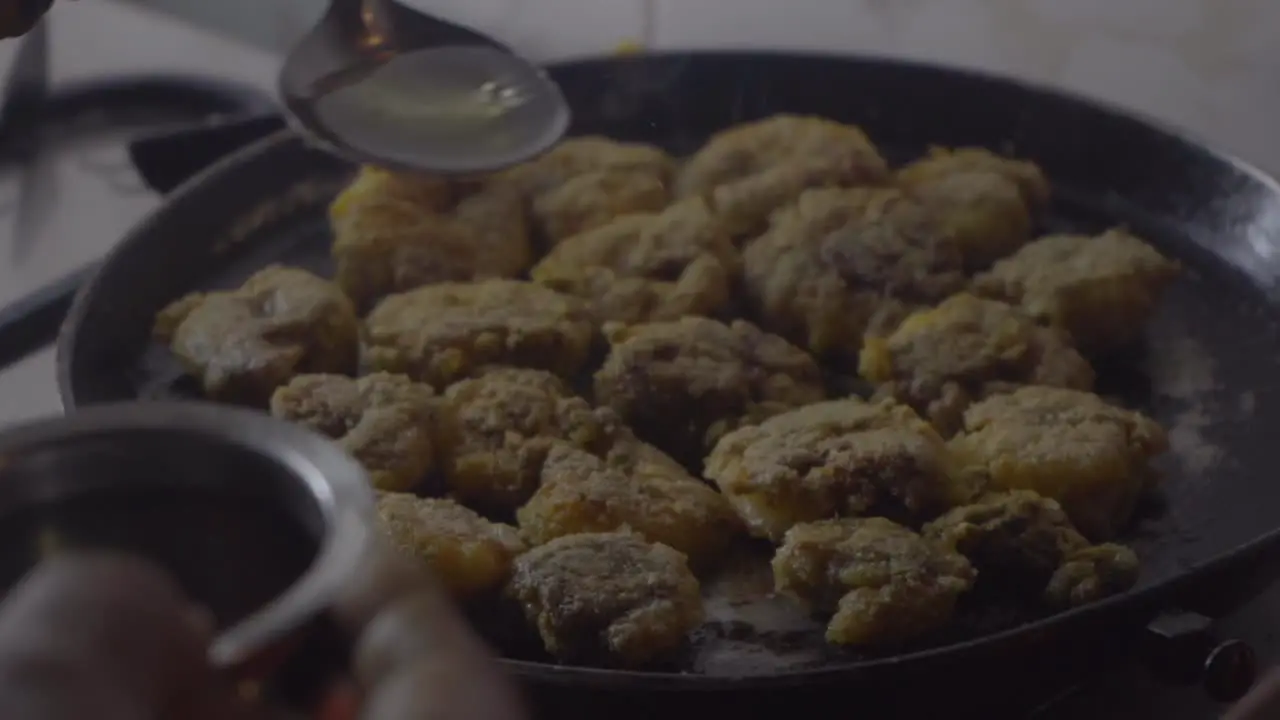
x,y
1208,371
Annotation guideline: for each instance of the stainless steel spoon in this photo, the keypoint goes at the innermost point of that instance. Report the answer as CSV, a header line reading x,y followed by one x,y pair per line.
x,y
379,83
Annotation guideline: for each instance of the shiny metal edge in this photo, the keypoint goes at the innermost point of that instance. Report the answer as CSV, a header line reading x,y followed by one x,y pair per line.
x,y
336,481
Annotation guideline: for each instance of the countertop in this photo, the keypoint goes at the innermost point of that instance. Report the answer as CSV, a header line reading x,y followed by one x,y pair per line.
x,y
1208,66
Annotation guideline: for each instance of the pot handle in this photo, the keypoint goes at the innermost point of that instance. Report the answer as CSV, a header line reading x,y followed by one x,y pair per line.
x,y
309,669
1181,649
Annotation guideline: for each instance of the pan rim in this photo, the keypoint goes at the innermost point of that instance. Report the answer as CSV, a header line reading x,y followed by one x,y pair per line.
x,y
1149,600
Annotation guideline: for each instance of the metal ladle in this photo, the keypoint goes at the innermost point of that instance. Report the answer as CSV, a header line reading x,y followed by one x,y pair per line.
x,y
383,84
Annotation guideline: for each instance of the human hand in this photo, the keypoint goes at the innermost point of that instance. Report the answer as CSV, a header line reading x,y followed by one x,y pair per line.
x,y
1262,702
112,638
19,16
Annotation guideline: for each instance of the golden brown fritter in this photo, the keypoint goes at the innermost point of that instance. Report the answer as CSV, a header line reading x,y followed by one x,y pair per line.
x,y
884,583
942,359
468,553
1091,574
987,207
387,422
244,343
1064,444
834,459
1017,535
682,384
585,182
498,428
587,201
941,163
841,261
752,169
384,243
648,267
376,185
441,333
1100,289
608,598
1025,540
581,493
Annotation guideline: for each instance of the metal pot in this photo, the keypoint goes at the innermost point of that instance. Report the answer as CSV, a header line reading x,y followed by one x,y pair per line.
x,y
259,520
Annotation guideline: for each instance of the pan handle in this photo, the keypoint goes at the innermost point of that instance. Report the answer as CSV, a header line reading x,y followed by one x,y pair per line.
x,y
1181,649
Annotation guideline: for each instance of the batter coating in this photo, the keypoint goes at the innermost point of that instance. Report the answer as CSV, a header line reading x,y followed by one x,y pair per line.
x,y
373,185
841,261
984,202
613,599
941,162
387,422
884,583
468,553
1068,445
242,344
681,385
384,244
752,169
941,360
581,493
1092,573
500,426
834,459
441,333
648,267
585,182
1101,289
1026,539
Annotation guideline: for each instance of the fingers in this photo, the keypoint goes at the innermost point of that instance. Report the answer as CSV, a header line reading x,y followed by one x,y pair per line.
x,y
1261,703
19,16
415,655
97,637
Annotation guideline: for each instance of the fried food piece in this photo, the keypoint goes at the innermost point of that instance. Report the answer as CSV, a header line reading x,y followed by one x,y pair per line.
x,y
1026,539
841,261
499,427
468,553
834,459
244,343
941,360
1017,535
1091,574
1068,445
942,163
585,182
593,199
387,422
681,385
441,333
648,267
376,185
581,493
388,239
884,583
984,202
1100,289
608,598
750,170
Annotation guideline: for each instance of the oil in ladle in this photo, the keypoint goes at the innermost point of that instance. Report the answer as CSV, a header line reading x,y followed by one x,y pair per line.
x,y
450,108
